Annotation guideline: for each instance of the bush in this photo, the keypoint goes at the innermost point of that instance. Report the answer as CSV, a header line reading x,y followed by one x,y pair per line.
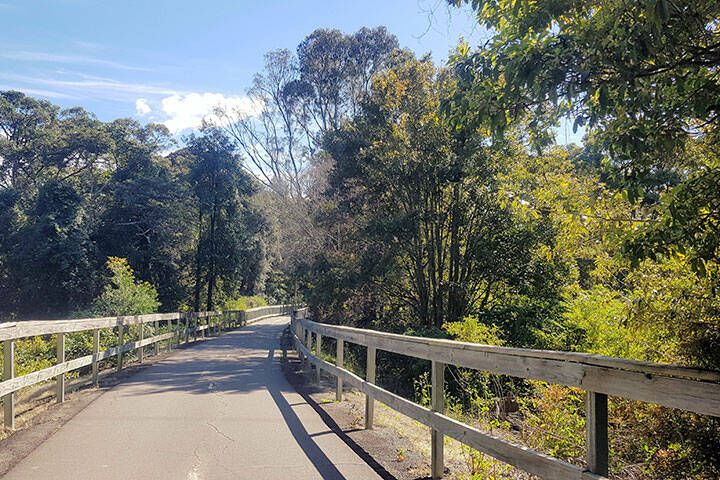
x,y
124,295
471,330
243,303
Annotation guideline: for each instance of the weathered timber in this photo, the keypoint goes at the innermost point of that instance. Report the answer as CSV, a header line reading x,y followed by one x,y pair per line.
x,y
679,391
60,395
38,376
437,379
596,432
96,351
318,352
533,462
339,361
10,331
370,378
140,350
121,330
8,399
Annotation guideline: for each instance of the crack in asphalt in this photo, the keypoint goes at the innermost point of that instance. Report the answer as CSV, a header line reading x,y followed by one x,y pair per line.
x,y
219,432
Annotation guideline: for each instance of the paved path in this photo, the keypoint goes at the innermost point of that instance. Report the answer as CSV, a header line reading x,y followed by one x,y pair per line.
x,y
219,410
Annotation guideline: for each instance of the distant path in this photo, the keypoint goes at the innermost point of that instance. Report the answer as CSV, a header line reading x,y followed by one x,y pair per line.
x,y
219,410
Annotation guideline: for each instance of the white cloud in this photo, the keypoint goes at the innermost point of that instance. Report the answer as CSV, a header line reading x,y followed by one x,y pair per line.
x,y
142,107
30,56
35,91
185,111
92,87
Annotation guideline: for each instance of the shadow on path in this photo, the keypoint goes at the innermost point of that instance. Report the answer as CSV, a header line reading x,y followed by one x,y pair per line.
x,y
318,458
343,435
243,361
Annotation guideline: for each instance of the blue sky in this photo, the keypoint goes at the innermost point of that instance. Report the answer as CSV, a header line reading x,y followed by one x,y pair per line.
x,y
161,60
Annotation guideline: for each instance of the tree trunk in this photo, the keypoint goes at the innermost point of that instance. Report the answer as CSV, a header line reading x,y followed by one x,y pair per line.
x,y
212,271
198,264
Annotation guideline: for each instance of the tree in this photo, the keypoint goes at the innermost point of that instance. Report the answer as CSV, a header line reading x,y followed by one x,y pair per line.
x,y
303,96
52,268
642,75
223,219
146,210
40,142
435,237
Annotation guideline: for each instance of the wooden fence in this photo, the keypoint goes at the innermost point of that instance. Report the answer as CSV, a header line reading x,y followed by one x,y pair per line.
x,y
677,387
180,326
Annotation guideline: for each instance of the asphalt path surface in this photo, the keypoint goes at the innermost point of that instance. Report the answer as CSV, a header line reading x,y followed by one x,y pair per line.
x,y
221,409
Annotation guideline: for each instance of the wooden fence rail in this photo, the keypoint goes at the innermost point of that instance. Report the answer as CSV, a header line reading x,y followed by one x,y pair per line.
x,y
180,325
677,387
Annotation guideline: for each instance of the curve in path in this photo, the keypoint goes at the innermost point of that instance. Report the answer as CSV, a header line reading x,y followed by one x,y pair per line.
x,y
219,410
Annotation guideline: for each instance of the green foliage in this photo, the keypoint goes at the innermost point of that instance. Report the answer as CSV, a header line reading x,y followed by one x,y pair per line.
x,y
243,303
423,390
424,200
124,295
75,191
603,317
147,210
471,330
399,196
50,254
481,466
556,425
641,75
229,250
34,354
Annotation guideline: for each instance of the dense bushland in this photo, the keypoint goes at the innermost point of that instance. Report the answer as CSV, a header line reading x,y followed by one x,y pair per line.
x,y
388,192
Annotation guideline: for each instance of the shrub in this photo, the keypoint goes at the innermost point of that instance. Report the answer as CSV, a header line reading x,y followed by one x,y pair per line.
x,y
243,303
124,295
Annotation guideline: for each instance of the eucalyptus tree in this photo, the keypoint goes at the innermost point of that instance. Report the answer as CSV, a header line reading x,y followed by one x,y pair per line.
x,y
433,236
301,97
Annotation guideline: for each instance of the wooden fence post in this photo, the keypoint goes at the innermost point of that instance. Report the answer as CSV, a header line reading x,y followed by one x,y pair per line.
x,y
438,405
121,329
61,359
157,332
300,335
8,374
339,361
141,349
187,328
308,344
96,352
370,377
596,432
170,330
318,350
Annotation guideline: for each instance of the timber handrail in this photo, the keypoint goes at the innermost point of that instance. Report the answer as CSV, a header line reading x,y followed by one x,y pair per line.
x,y
668,385
180,325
